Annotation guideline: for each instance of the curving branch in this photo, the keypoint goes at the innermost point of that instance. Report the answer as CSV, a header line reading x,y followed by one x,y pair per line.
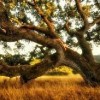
x,y
38,29
28,72
63,56
83,16
49,24
85,47
14,33
22,33
68,29
96,21
87,25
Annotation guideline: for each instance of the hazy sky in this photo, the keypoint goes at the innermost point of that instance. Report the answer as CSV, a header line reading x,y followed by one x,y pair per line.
x,y
95,49
29,46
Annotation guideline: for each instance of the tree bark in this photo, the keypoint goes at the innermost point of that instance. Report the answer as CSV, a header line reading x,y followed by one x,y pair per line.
x,y
73,60
84,64
86,49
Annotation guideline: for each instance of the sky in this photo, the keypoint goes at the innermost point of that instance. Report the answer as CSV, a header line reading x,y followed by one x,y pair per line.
x,y
99,1
95,49
29,46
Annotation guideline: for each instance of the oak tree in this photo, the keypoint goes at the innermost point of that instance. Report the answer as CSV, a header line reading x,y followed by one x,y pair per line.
x,y
53,24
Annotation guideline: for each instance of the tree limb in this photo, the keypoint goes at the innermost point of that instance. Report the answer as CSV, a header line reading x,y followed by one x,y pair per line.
x,y
38,29
49,24
14,33
68,29
28,72
85,47
96,21
83,16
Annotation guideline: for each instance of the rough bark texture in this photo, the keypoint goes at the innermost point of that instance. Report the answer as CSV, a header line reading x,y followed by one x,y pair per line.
x,y
84,63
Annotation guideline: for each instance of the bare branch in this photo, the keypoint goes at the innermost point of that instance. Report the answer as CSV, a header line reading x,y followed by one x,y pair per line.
x,y
68,29
22,33
71,33
83,16
49,24
86,26
96,21
30,71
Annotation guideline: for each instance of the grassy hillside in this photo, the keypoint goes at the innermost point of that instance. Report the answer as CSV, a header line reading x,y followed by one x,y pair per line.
x,y
48,88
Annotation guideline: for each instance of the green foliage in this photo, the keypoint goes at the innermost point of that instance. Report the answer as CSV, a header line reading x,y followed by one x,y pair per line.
x,y
62,70
35,61
14,59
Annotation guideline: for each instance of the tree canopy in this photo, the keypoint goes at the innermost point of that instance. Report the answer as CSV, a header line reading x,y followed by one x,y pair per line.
x,y
55,26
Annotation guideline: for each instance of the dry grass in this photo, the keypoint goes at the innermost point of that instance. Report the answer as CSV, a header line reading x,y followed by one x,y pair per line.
x,y
48,88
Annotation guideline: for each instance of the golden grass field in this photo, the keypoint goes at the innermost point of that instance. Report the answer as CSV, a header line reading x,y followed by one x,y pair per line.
x,y
71,87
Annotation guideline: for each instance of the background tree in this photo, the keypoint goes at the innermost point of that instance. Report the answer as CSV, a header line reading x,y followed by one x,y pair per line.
x,y
53,25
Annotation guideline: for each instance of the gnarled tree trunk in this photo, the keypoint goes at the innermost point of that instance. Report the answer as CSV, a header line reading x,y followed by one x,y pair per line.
x,y
84,63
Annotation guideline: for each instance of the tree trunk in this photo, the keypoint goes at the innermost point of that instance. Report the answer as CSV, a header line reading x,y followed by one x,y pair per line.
x,y
86,49
72,59
84,63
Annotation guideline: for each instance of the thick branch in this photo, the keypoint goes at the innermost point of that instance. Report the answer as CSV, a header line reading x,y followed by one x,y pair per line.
x,y
13,33
86,49
28,72
22,33
38,29
83,64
